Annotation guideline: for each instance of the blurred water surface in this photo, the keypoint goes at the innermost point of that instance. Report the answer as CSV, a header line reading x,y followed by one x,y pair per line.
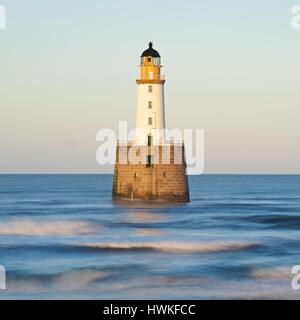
x,y
62,237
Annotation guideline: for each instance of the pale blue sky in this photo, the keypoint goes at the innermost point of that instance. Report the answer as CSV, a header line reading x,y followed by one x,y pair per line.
x,y
67,69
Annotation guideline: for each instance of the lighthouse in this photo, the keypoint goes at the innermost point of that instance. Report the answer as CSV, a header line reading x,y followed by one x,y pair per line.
x,y
150,168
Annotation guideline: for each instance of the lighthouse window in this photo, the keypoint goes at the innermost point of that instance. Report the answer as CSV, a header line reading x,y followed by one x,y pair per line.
x,y
149,59
156,61
150,121
149,104
150,89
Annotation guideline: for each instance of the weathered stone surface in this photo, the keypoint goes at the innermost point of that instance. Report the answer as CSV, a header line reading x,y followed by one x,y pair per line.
x,y
159,182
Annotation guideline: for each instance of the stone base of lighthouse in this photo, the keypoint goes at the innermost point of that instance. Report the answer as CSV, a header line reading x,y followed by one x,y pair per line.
x,y
157,174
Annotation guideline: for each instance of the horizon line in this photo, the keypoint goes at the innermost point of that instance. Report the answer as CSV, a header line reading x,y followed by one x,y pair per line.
x,y
111,173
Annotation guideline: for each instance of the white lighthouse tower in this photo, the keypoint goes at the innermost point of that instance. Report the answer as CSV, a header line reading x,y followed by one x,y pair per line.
x,y
157,175
150,109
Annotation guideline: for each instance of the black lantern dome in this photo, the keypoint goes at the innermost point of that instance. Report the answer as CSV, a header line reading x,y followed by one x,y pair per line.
x,y
150,52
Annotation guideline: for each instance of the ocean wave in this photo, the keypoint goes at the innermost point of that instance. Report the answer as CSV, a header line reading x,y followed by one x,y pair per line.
x,y
45,228
173,247
65,281
145,217
277,221
149,233
275,274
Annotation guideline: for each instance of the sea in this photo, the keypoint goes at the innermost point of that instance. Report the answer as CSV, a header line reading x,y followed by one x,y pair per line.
x,y
62,237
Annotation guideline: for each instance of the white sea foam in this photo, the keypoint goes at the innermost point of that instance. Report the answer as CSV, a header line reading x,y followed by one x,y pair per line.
x,y
44,228
78,279
67,281
272,274
174,247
